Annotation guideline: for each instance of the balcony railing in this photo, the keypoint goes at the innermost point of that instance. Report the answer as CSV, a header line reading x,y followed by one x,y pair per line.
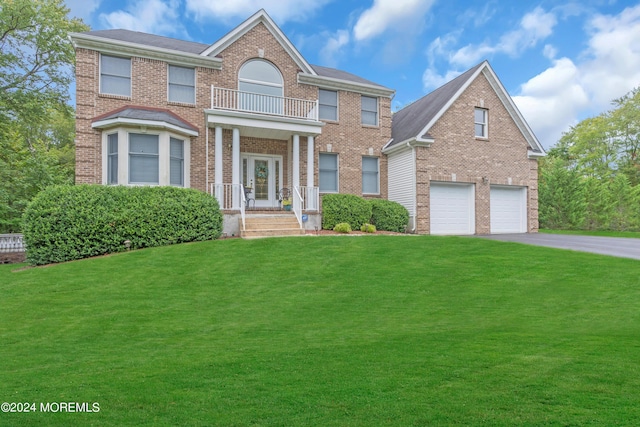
x,y
235,100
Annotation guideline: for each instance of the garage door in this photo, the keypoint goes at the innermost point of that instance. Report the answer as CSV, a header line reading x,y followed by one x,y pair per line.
x,y
508,209
452,208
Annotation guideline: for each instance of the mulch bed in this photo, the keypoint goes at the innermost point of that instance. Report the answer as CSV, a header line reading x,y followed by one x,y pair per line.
x,y
12,257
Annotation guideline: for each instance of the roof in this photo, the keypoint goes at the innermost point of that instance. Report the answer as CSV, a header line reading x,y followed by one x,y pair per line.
x,y
137,114
150,40
342,75
414,121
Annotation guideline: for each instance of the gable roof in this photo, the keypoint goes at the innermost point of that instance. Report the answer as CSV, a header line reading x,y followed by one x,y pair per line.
x,y
150,40
144,116
413,122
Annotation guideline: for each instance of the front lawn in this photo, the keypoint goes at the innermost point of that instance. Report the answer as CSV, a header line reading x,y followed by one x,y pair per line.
x,y
326,331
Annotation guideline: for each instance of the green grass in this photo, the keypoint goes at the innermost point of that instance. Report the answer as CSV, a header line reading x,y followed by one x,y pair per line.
x,y
605,233
326,331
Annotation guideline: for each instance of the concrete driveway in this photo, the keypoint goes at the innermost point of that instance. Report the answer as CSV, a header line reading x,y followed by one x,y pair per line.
x,y
614,246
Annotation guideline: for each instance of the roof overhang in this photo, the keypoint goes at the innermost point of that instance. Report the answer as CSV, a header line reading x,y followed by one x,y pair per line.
x,y
150,124
120,48
338,84
535,154
263,126
406,144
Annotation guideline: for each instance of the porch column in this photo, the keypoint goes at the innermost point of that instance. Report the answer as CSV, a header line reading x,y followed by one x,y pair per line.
x,y
295,181
235,168
219,188
310,196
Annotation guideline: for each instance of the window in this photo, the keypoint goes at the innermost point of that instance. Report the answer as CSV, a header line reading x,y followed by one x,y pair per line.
x,y
115,75
328,101
370,175
143,159
480,119
369,111
328,172
261,87
182,84
112,158
176,162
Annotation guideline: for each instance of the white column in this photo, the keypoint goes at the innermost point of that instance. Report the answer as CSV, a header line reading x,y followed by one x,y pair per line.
x,y
235,167
310,197
296,161
218,156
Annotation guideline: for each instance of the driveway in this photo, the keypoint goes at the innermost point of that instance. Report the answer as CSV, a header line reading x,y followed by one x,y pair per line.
x,y
614,246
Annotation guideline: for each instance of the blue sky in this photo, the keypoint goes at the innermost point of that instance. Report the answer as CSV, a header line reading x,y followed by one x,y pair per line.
x,y
560,61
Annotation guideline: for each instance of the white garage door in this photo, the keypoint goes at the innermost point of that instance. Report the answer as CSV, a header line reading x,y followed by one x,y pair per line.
x,y
452,208
508,209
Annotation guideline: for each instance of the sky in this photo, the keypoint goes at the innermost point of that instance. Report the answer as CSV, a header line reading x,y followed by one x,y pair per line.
x,y
561,61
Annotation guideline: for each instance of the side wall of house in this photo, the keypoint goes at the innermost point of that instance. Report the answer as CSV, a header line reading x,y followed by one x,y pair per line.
x,y
457,155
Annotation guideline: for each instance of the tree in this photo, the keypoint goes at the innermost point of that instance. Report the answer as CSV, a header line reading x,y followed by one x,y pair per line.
x,y
561,195
36,122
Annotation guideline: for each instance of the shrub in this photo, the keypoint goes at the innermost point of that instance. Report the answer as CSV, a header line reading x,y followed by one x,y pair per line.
x,y
337,208
368,228
64,223
388,215
343,227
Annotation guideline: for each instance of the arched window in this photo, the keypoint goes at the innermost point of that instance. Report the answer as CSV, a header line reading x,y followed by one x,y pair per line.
x,y
261,87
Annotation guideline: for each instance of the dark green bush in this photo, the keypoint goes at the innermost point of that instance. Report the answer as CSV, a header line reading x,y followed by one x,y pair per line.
x,y
337,208
64,223
343,227
388,215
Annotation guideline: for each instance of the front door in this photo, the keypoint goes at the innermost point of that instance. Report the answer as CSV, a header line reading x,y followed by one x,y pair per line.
x,y
263,174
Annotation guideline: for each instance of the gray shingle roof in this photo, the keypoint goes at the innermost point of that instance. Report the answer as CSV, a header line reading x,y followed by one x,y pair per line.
x,y
156,115
150,40
343,75
409,121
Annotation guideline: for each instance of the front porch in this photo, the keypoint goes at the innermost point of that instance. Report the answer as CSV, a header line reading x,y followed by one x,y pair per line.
x,y
260,156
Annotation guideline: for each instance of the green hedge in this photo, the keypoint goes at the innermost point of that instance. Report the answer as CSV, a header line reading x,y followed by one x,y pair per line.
x,y
337,208
388,215
64,223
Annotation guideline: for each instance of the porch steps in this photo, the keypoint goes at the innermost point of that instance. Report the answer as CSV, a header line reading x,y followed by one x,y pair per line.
x,y
270,225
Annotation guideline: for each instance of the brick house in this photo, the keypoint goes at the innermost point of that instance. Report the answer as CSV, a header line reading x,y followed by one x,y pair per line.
x,y
248,116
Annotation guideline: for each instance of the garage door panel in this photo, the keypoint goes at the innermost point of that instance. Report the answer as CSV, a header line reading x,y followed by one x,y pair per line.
x,y
508,210
452,208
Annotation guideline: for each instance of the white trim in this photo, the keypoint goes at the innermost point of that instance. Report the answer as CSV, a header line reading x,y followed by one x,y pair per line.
x,y
120,48
259,17
229,118
123,121
408,143
331,83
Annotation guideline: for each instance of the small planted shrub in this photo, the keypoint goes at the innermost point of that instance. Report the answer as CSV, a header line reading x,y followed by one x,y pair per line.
x,y
388,215
337,208
368,228
64,223
343,227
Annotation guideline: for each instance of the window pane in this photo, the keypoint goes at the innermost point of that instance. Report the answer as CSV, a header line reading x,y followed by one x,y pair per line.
x,y
181,75
328,97
369,118
116,85
370,164
112,159
328,161
181,84
261,71
143,159
176,164
328,113
370,175
114,66
480,130
328,172
115,75
480,115
183,94
369,104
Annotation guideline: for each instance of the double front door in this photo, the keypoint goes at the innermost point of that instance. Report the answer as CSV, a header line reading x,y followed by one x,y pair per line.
x,y
263,174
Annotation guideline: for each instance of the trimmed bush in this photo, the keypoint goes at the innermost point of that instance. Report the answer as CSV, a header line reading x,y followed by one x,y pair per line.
x,y
64,223
388,215
368,228
337,208
343,227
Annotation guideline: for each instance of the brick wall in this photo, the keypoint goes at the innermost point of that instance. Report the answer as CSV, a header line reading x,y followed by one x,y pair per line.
x,y
501,158
348,137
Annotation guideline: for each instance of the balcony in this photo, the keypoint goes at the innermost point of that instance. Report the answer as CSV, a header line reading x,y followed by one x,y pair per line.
x,y
267,105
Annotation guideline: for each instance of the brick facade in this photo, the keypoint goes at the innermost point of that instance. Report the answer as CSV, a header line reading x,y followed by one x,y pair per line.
x,y
457,155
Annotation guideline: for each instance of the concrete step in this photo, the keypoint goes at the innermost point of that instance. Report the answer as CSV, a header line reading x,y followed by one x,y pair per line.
x,y
253,234
271,224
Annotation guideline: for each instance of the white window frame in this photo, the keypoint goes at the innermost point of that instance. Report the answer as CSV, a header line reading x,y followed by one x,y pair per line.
x,y
337,172
484,124
377,174
258,102
101,89
164,155
111,157
131,154
362,110
181,159
169,84
332,106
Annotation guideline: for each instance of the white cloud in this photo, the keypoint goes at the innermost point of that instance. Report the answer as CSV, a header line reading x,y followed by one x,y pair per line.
x,y
333,47
280,10
400,15
432,80
148,16
569,91
83,8
534,27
